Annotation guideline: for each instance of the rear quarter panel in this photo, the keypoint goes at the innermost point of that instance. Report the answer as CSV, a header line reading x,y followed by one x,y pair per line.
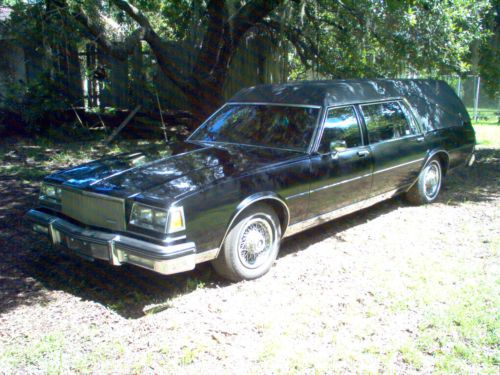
x,y
458,141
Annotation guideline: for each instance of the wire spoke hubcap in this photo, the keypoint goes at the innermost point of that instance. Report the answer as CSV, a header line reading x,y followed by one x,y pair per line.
x,y
255,242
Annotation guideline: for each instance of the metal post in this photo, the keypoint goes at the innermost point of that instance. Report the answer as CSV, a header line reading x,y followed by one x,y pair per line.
x,y
459,87
476,99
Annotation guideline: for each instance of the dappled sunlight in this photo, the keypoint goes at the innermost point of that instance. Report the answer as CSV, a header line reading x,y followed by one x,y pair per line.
x,y
31,269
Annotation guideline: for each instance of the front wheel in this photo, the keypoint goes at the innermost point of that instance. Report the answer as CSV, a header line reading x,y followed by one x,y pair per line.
x,y
251,246
428,185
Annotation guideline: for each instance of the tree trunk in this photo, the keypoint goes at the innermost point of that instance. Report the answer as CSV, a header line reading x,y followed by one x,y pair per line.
x,y
204,85
138,78
66,59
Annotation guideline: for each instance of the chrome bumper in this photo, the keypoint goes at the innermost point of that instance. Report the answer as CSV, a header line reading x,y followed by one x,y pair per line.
x,y
117,249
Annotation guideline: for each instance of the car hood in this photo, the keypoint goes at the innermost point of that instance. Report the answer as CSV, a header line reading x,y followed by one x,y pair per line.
x,y
169,171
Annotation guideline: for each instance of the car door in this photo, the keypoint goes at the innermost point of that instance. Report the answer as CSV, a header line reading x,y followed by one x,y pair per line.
x,y
396,144
341,169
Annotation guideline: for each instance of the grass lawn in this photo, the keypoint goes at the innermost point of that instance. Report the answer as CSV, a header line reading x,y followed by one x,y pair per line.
x,y
486,116
393,289
487,136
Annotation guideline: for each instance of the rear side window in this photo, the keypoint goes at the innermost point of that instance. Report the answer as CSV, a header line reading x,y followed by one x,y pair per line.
x,y
386,121
341,127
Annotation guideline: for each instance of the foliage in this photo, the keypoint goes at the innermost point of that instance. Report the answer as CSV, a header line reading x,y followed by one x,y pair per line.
x,y
489,68
322,38
371,38
35,100
44,36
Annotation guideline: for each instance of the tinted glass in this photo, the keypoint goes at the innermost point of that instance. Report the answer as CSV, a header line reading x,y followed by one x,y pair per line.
x,y
261,125
341,126
386,121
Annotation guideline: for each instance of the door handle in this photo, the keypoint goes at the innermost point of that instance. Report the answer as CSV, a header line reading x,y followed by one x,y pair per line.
x,y
420,139
363,153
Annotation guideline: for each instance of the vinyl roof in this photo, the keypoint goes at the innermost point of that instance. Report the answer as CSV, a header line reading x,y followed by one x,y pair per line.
x,y
434,102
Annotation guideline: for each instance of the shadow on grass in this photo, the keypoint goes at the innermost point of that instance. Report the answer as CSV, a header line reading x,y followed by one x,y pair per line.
x,y
480,183
30,270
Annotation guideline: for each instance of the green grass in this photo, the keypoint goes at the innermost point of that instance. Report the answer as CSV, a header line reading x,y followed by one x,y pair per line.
x,y
486,116
47,351
188,356
458,301
487,136
465,335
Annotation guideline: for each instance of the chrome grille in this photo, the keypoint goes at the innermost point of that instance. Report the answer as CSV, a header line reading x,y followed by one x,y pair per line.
x,y
94,209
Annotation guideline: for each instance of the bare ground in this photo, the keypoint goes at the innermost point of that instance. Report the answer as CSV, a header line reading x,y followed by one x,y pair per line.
x,y
371,292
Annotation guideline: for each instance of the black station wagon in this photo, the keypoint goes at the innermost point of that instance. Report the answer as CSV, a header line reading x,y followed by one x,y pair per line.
x,y
273,161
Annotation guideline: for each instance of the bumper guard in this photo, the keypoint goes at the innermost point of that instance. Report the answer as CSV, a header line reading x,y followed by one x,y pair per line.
x,y
115,248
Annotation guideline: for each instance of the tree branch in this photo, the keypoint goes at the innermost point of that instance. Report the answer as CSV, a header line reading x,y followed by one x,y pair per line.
x,y
119,50
133,13
250,14
293,35
157,44
213,39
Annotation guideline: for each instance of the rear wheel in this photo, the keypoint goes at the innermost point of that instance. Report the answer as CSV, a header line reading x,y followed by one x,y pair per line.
x,y
251,245
428,185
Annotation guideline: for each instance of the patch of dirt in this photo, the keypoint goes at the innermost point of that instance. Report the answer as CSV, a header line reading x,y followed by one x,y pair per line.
x,y
323,307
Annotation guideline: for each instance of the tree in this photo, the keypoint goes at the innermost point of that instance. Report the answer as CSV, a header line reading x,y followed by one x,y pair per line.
x,y
369,38
489,68
223,32
348,38
324,38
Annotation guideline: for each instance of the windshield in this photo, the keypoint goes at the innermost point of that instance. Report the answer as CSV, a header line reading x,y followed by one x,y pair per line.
x,y
260,125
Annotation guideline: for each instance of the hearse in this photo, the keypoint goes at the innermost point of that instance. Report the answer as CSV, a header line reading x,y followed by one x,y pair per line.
x,y
275,160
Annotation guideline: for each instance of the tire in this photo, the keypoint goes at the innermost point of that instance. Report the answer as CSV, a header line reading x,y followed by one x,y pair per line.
x,y
257,230
428,185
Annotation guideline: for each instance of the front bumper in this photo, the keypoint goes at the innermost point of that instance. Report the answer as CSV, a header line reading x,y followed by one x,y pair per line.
x,y
115,248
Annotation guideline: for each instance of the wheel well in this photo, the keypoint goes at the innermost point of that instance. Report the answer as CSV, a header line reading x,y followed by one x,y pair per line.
x,y
444,160
277,206
280,210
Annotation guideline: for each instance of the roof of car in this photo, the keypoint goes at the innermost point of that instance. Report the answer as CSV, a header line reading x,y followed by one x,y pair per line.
x,y
434,102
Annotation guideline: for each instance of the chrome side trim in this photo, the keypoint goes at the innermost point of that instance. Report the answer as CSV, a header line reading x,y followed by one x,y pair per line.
x,y
297,195
249,201
346,210
359,177
341,182
399,165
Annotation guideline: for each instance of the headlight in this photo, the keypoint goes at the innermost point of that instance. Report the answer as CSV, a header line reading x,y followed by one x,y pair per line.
x,y
156,219
50,193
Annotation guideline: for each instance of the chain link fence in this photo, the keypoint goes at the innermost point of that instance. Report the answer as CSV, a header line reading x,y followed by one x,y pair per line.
x,y
482,108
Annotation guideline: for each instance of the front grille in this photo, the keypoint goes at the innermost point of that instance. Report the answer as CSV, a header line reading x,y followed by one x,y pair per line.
x,y
94,209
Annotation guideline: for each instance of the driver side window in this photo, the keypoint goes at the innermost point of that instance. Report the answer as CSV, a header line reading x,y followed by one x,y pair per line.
x,y
341,130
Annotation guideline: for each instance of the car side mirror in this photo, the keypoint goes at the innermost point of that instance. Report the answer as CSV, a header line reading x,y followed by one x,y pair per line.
x,y
338,146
